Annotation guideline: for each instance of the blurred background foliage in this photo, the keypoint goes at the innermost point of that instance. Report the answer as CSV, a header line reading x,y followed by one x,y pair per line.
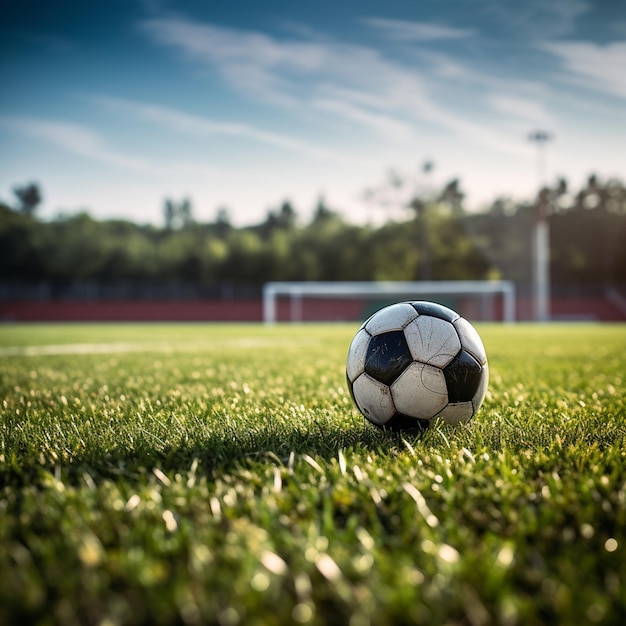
x,y
429,235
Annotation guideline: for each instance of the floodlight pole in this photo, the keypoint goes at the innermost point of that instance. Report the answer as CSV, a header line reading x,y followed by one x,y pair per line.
x,y
541,234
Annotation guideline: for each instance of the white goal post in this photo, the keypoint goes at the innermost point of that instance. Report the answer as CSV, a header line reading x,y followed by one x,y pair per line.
x,y
409,290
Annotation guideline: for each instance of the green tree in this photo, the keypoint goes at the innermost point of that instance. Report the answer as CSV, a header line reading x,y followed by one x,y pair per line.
x,y
222,225
29,197
20,254
588,235
285,218
178,214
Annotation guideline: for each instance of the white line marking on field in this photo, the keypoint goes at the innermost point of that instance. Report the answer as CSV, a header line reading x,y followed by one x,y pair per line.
x,y
110,348
72,348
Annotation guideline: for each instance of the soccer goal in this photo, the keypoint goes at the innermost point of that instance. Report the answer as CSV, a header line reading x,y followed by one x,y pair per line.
x,y
492,300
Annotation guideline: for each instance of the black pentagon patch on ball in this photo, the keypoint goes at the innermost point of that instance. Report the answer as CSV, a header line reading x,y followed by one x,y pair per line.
x,y
435,310
387,356
463,377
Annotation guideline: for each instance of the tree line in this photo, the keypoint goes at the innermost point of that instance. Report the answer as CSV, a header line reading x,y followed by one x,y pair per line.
x,y
435,238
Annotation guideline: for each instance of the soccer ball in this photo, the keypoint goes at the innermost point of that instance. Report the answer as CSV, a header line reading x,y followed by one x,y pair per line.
x,y
412,362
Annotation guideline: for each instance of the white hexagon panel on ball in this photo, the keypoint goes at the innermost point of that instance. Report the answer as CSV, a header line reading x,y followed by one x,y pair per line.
x,y
470,340
373,399
391,318
355,364
457,413
432,340
420,391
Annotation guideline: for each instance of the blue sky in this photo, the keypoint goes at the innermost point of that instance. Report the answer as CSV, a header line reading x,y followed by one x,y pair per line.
x,y
114,106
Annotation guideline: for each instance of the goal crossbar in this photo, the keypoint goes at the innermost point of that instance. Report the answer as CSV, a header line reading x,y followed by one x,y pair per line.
x,y
297,290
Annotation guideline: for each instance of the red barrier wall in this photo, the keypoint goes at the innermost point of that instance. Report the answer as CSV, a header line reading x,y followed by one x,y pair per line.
x,y
176,311
252,310
132,311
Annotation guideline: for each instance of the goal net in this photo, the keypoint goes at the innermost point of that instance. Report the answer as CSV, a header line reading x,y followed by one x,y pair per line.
x,y
352,301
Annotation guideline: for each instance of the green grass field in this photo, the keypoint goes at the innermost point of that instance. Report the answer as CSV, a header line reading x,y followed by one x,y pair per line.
x,y
219,474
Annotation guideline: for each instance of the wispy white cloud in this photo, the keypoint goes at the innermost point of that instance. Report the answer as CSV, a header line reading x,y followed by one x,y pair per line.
x,y
619,28
384,125
85,142
483,135
74,138
537,19
280,71
596,67
365,87
405,30
294,74
247,60
196,125
524,109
